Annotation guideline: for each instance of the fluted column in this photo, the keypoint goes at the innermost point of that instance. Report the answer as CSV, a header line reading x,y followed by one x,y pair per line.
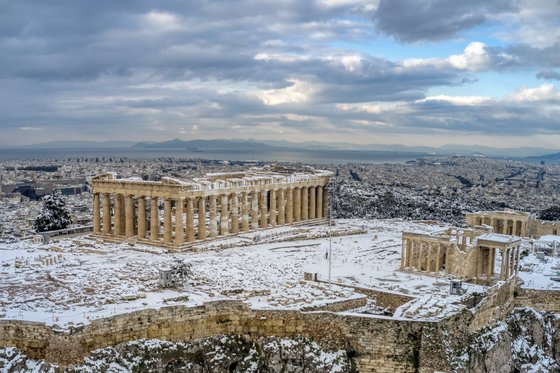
x,y
190,219
224,215
325,202
304,203
96,214
297,204
281,210
202,218
272,213
179,230
141,217
118,215
129,216
430,255
289,205
244,212
438,258
403,252
410,249
213,222
312,204
420,253
154,219
319,212
254,210
234,213
489,265
167,221
122,213
264,218
106,213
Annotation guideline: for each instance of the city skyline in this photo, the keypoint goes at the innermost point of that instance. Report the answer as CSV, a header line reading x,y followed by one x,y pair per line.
x,y
387,72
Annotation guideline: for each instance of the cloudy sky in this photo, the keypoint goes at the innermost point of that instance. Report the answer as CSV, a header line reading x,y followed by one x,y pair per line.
x,y
414,72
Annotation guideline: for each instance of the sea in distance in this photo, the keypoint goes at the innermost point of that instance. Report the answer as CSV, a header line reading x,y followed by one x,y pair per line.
x,y
315,156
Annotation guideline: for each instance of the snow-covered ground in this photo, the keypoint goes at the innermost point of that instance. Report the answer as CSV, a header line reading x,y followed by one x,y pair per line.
x,y
76,280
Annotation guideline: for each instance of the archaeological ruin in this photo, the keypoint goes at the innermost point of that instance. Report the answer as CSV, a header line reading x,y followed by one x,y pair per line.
x,y
467,254
174,213
514,223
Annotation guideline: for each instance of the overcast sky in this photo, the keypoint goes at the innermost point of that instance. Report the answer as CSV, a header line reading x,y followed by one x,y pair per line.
x,y
412,72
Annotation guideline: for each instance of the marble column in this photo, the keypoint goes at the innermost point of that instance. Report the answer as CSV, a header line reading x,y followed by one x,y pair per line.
x,y
297,204
319,212
213,222
141,217
523,232
325,202
202,218
272,212
429,261
403,251
420,252
106,213
118,215
234,213
289,205
179,229
263,201
312,205
304,203
190,219
280,204
224,215
122,213
167,220
244,212
96,214
411,246
489,265
438,258
154,219
255,210
129,216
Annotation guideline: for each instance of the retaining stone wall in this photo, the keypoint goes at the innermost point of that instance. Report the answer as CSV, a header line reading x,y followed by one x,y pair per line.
x,y
380,344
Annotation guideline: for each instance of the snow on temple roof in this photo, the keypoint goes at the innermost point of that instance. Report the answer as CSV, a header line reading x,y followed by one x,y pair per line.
x,y
499,238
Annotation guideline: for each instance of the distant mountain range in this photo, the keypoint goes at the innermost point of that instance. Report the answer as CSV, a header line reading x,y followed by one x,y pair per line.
x,y
547,157
202,145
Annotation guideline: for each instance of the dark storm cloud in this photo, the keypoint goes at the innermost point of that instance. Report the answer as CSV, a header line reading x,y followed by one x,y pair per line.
x,y
106,69
548,75
412,20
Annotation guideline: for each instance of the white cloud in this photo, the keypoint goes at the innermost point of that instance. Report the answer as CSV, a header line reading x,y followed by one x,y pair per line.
x,y
545,92
297,93
475,57
456,100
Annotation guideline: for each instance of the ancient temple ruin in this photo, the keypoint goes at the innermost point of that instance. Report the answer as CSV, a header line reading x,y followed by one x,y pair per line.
x,y
465,253
514,223
174,212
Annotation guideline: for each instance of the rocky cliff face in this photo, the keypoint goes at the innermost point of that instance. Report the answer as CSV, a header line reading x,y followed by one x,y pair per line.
x,y
210,355
527,341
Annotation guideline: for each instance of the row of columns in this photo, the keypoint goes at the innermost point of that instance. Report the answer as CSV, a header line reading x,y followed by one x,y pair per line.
x,y
513,227
486,259
122,215
424,256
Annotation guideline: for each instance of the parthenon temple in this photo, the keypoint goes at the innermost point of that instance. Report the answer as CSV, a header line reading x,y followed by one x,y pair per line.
x,y
468,254
174,213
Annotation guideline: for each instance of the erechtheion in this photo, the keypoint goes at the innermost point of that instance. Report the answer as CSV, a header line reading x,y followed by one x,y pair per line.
x,y
220,204
468,254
